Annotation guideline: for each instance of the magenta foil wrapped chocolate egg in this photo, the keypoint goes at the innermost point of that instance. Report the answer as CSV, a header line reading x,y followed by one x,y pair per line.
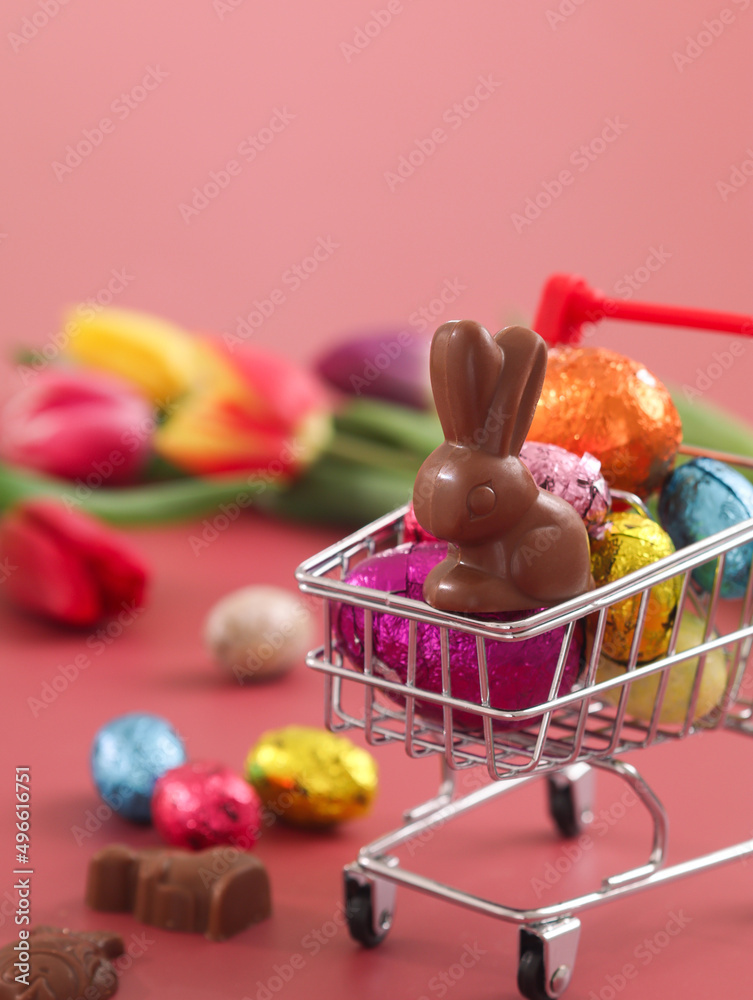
x,y
520,673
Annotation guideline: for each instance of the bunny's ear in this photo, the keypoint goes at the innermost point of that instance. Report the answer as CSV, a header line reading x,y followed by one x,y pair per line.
x,y
465,365
524,366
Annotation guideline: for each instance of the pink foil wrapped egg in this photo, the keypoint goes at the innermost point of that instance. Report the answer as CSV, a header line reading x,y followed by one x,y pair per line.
x,y
204,804
520,673
575,478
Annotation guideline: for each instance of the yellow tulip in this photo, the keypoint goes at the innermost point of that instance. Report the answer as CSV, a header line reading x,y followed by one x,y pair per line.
x,y
251,411
158,357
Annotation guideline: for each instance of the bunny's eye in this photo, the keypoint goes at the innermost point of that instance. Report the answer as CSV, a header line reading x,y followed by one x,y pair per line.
x,y
481,500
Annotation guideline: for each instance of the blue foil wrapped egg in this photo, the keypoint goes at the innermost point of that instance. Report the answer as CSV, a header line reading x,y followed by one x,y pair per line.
x,y
699,499
128,755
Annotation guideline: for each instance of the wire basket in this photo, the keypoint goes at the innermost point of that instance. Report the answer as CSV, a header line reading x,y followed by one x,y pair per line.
x,y
588,723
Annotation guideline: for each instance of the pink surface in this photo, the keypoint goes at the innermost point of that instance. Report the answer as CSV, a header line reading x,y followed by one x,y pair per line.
x,y
648,205
507,852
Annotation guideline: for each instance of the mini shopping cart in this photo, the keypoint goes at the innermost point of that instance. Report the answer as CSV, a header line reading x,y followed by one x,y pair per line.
x,y
566,739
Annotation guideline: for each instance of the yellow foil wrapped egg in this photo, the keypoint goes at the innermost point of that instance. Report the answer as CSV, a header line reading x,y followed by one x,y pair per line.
x,y
642,696
630,542
311,777
613,407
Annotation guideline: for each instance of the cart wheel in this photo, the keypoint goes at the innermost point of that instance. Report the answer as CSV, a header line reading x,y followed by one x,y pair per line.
x,y
547,958
571,793
369,907
531,976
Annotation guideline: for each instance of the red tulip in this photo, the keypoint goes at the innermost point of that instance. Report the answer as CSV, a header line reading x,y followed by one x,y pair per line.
x,y
76,424
66,566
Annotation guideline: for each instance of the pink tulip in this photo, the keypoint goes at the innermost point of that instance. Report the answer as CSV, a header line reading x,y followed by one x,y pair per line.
x,y
77,425
63,565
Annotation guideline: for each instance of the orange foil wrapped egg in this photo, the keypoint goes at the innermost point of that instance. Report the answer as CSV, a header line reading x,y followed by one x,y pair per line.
x,y
598,401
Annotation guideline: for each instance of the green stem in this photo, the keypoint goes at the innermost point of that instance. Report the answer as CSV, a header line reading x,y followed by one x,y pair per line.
x,y
708,426
336,492
155,502
414,430
362,451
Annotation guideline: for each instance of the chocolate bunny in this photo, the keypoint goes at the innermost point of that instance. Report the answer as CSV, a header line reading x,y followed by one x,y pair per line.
x,y
514,546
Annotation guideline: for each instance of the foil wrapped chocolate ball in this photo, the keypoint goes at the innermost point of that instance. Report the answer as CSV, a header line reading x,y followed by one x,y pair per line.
x,y
311,777
630,542
613,407
203,804
128,755
520,673
699,499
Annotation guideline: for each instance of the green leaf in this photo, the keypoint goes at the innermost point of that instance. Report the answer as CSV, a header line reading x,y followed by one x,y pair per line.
x,y
706,425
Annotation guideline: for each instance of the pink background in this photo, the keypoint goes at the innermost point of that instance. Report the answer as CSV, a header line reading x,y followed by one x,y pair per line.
x,y
228,67
226,74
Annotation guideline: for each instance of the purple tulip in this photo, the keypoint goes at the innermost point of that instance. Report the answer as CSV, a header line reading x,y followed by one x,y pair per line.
x,y
390,364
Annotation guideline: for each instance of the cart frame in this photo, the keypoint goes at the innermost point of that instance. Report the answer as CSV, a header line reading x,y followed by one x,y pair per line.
x,y
566,738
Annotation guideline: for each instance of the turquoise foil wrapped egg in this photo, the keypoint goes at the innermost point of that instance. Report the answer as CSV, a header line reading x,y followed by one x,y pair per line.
x,y
700,499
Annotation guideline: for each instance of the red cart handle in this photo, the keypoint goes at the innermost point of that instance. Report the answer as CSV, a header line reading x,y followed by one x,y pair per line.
x,y
567,302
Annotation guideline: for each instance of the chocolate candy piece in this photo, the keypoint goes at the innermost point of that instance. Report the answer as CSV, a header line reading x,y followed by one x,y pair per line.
x,y
514,546
61,964
177,890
